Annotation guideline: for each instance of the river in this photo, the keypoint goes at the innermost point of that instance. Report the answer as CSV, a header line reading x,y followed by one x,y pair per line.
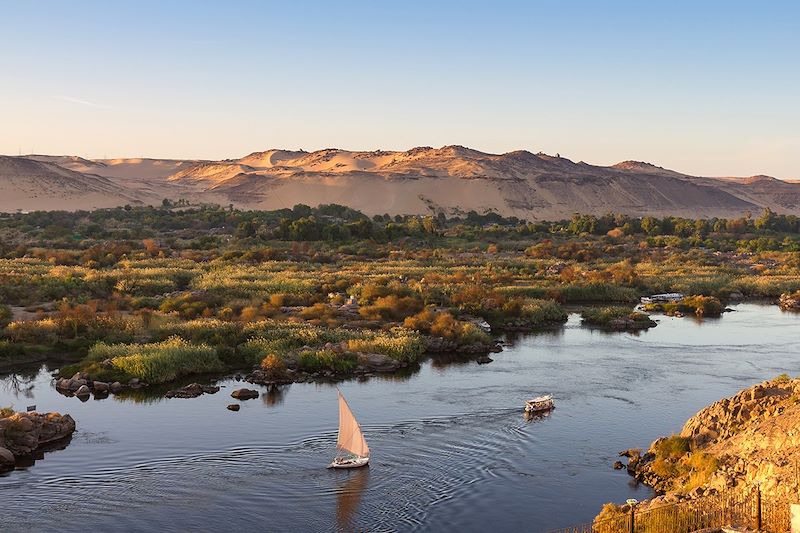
x,y
450,446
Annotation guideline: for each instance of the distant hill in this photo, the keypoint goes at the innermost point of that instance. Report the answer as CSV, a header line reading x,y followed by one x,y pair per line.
x,y
28,184
421,180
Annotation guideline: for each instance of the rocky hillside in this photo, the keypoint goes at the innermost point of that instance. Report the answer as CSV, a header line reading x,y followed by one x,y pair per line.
x,y
423,180
750,438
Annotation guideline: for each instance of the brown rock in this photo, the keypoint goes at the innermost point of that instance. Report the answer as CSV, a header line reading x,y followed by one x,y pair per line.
x,y
233,407
6,457
244,394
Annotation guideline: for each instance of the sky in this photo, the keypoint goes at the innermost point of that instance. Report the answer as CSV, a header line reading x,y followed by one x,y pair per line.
x,y
704,87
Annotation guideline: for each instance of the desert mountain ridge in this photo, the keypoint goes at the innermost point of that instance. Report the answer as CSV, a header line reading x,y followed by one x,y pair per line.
x,y
422,180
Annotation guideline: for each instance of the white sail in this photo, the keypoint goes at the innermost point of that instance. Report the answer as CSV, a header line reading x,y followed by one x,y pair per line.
x,y
350,437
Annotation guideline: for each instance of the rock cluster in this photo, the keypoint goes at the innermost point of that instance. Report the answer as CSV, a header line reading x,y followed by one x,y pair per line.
x,y
22,434
193,390
82,386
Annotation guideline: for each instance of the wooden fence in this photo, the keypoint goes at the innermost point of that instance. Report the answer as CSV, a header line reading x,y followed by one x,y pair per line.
x,y
745,508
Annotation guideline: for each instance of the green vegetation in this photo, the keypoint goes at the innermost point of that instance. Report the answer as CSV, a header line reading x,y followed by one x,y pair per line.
x,y
677,463
154,363
250,284
604,316
707,306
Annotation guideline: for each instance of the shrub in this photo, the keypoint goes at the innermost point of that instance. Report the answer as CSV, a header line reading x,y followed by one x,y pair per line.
x,y
274,368
5,315
442,324
399,344
316,360
701,466
704,305
318,311
5,412
708,306
672,447
603,316
391,307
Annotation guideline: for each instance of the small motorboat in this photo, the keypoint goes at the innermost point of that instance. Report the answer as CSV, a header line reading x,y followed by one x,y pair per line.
x,y
350,440
349,462
540,404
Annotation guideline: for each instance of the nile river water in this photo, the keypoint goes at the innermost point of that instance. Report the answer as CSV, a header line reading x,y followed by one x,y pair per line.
x,y
451,449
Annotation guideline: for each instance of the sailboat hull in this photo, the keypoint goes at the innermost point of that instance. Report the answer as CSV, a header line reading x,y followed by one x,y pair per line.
x,y
357,462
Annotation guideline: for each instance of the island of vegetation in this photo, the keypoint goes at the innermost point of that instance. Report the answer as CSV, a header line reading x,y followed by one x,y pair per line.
x,y
146,295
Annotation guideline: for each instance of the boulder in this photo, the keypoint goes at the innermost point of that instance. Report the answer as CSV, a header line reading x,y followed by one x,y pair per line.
x,y
116,387
484,359
83,391
6,458
100,387
244,394
22,433
75,384
375,362
233,407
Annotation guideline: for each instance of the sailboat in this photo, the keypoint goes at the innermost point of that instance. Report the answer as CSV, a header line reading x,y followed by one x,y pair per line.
x,y
350,440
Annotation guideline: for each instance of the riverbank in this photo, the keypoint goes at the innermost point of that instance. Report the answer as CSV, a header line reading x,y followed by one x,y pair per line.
x,y
750,439
450,443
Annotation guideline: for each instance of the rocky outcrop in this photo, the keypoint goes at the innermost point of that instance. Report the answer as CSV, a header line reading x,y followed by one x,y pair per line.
x,y
21,434
244,394
82,386
751,438
193,390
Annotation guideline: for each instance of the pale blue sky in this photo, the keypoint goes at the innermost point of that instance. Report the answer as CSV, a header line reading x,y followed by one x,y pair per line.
x,y
707,87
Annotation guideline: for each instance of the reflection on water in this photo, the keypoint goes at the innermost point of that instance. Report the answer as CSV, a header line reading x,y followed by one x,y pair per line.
x,y
274,395
27,461
451,447
348,497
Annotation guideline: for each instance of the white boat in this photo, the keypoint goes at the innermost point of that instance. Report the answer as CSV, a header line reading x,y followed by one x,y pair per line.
x,y
539,404
667,297
350,440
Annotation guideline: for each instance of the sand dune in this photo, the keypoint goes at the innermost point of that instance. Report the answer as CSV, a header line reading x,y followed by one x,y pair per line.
x,y
423,180
27,184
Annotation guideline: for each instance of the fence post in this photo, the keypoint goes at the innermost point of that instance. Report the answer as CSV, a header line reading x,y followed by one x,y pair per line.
x,y
632,521
758,506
